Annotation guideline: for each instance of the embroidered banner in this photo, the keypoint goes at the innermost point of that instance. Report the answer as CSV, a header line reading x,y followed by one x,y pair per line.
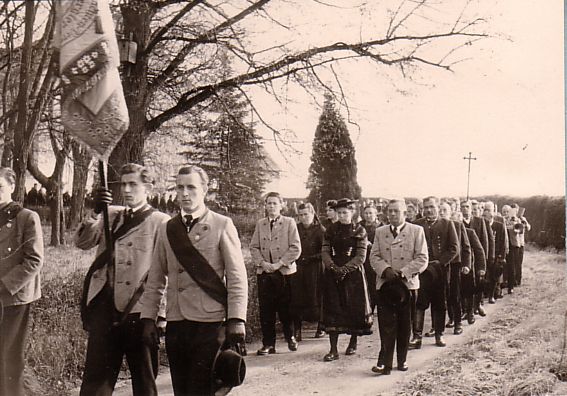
x,y
93,109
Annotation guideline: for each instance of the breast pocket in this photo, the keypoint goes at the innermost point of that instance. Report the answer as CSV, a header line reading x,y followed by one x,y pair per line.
x,y
143,242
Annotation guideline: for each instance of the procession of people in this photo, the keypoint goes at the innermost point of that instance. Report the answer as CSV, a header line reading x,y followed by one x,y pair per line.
x,y
185,276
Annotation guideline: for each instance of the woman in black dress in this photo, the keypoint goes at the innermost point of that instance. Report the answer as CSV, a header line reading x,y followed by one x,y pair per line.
x,y
346,306
370,223
307,283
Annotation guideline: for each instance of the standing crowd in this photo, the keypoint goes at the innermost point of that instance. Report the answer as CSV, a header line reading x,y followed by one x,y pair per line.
x,y
185,276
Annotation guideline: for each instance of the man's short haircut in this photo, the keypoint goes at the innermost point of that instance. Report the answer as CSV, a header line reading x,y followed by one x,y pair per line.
x,y
370,206
432,198
190,169
273,194
9,175
489,204
331,203
306,205
410,205
469,202
145,175
402,203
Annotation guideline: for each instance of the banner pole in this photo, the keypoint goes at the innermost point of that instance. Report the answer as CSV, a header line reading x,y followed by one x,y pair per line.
x,y
105,217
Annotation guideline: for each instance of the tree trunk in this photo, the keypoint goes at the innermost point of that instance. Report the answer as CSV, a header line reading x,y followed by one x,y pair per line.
x,y
21,137
81,161
137,16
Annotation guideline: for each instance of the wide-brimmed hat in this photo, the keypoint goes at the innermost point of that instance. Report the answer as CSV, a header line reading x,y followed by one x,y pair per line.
x,y
229,368
344,203
395,293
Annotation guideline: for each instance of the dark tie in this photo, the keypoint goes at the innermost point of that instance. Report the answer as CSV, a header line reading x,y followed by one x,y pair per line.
x,y
128,215
272,224
394,232
188,222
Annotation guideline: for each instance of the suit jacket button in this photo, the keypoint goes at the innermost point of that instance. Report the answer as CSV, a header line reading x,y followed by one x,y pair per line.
x,y
401,258
180,289
128,283
180,270
129,243
128,263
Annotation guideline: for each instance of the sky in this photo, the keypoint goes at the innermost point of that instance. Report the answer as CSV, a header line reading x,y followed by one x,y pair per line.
x,y
504,103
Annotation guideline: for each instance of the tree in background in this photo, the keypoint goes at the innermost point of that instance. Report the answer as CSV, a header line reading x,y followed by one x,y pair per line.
x,y
332,174
231,152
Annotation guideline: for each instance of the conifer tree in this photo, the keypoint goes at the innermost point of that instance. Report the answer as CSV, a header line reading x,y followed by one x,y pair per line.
x,y
332,174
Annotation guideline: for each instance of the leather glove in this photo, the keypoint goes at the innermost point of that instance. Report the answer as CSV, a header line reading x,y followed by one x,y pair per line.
x,y
235,331
102,197
389,274
150,332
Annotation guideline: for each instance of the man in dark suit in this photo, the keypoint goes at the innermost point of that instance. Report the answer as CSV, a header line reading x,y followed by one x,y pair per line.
x,y
460,264
443,247
495,264
476,276
486,239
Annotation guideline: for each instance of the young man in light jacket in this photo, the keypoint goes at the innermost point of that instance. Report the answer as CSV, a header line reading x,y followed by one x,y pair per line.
x,y
274,248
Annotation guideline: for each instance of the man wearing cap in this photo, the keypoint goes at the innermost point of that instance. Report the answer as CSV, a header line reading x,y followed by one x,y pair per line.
x,y
442,247
399,255
198,257
274,247
110,308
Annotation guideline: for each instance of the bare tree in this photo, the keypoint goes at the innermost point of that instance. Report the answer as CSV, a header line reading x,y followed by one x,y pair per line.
x,y
178,43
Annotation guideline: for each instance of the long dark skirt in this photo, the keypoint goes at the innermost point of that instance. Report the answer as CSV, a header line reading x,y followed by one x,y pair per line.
x,y
346,306
306,290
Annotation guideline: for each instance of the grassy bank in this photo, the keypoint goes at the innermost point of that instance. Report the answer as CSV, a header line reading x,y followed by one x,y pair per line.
x,y
514,356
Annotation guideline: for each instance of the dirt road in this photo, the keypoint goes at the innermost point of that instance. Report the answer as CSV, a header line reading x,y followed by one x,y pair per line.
x,y
304,372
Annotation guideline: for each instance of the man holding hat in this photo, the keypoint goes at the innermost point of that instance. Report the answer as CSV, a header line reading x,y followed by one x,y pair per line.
x,y
398,256
198,257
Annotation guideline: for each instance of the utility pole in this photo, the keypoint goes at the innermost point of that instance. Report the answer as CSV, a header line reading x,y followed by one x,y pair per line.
x,y
469,158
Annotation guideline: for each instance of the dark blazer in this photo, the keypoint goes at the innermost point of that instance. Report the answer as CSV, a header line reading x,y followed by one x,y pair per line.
x,y
464,254
478,258
442,241
500,240
21,258
481,230
490,257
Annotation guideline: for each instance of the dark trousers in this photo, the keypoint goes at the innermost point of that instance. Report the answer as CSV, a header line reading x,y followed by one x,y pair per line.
x,y
493,272
191,349
510,266
454,292
107,346
274,296
13,336
519,263
433,290
394,325
413,308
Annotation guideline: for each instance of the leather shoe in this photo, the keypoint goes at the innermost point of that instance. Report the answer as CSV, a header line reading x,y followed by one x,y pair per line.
x,y
266,350
329,357
382,370
350,350
415,344
292,344
491,300
439,341
458,329
450,324
510,291
481,311
470,318
430,333
319,334
403,366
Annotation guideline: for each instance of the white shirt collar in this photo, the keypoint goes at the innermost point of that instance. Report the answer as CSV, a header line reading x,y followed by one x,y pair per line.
x,y
135,209
398,228
196,214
